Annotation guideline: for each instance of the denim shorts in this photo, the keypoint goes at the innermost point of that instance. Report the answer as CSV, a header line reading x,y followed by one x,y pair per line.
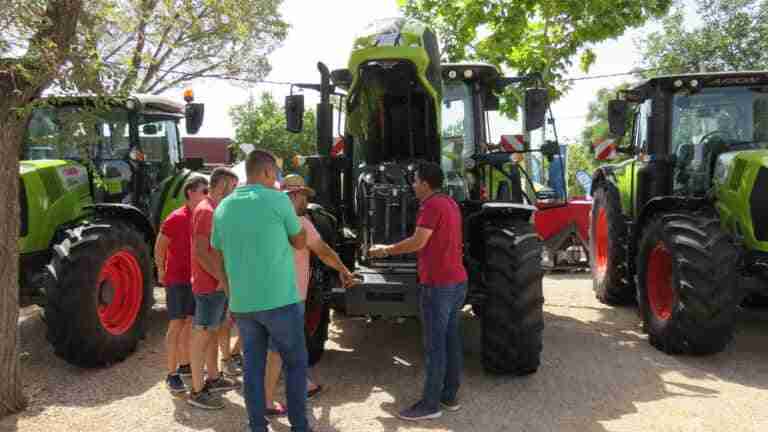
x,y
210,310
179,301
270,343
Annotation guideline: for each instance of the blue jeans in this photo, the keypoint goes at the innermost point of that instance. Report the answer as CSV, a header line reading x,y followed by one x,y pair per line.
x,y
210,310
440,306
285,326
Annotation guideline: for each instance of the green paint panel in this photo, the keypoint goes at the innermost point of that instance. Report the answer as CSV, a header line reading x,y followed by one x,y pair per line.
x,y
734,180
56,193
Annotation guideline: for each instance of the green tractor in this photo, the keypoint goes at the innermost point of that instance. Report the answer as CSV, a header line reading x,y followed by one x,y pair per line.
x,y
681,227
97,177
401,106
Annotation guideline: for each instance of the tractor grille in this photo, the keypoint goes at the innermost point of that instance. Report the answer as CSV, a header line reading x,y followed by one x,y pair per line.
x,y
758,205
23,209
53,188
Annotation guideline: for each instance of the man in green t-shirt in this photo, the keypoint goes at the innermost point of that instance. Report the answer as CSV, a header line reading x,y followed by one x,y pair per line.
x,y
255,230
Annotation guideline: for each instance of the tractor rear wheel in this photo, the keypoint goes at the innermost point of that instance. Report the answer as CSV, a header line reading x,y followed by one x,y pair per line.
x,y
98,306
608,241
687,266
512,317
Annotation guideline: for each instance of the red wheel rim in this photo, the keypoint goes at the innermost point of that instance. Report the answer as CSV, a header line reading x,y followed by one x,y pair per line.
x,y
601,243
661,296
121,291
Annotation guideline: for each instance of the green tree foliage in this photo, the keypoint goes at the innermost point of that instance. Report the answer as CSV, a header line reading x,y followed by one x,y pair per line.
x,y
261,122
579,159
543,36
150,46
733,36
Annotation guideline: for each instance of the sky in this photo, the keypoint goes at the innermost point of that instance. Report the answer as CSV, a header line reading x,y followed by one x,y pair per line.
x,y
324,31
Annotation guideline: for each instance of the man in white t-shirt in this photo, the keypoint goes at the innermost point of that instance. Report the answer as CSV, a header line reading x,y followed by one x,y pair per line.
x,y
299,193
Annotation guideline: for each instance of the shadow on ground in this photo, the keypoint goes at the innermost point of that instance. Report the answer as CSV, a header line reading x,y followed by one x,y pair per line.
x,y
595,369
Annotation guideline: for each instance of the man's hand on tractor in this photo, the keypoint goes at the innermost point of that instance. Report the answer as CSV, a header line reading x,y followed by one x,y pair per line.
x,y
349,279
378,251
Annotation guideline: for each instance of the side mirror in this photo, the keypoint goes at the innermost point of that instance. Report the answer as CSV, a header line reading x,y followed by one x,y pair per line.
x,y
585,180
617,117
294,113
193,117
535,108
341,78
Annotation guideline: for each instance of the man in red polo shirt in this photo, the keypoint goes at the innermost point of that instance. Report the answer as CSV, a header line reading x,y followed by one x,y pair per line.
x,y
443,278
172,259
209,286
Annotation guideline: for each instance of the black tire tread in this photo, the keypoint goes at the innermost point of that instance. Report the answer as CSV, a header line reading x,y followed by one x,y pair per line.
x,y
705,268
512,317
72,320
617,287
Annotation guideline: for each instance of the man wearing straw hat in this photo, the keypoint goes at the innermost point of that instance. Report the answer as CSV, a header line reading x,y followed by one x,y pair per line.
x,y
300,193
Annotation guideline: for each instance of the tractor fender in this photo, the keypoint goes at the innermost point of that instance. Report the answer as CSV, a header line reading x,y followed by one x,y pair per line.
x,y
127,213
662,204
325,223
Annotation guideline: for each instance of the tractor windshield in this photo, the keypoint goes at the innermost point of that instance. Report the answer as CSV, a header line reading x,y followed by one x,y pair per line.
x,y
715,120
70,132
457,138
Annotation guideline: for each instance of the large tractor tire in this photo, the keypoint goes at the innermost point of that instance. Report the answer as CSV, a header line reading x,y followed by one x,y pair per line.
x,y
97,309
608,240
687,268
512,317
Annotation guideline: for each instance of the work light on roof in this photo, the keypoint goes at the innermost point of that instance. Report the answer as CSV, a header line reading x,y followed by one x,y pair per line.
x,y
468,73
678,83
452,74
694,83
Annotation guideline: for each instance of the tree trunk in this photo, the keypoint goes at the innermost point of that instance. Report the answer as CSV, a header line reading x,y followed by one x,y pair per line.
x,y
11,397
22,81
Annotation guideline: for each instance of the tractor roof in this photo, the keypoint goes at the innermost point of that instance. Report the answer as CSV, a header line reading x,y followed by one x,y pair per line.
x,y
146,102
697,80
482,71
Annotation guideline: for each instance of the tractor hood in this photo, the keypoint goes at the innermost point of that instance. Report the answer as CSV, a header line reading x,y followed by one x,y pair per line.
x,y
51,193
741,187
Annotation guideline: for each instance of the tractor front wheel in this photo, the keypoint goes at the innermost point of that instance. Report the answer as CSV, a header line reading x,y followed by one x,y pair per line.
x,y
608,249
97,308
687,268
512,316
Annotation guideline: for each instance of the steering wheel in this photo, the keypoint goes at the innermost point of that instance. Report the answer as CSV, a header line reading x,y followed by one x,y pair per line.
x,y
709,136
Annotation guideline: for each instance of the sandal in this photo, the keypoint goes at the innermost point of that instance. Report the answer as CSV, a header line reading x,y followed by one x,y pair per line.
x,y
277,409
312,393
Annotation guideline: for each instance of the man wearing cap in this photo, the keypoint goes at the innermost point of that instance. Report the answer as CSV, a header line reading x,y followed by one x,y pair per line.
x,y
300,193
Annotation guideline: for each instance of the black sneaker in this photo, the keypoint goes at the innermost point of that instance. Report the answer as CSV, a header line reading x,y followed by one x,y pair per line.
x,y
221,384
419,411
175,384
205,400
184,370
452,405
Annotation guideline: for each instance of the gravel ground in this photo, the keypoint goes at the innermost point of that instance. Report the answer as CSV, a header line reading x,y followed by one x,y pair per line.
x,y
598,373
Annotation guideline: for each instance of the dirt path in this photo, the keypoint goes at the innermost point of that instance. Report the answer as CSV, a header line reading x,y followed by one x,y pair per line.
x,y
598,374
